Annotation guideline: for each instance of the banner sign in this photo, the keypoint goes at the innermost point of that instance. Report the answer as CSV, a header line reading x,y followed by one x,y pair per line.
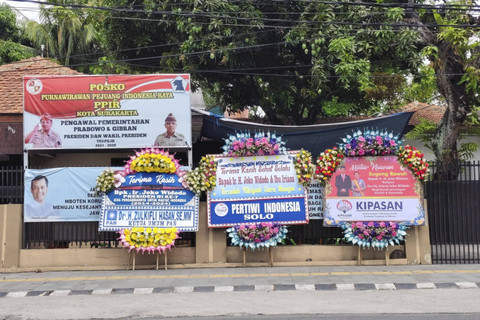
x,y
151,179
315,201
62,194
374,189
150,200
114,111
256,189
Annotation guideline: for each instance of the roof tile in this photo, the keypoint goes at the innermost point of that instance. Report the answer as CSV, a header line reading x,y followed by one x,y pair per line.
x,y
11,80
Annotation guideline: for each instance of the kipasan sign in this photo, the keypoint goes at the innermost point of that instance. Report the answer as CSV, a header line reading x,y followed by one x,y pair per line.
x,y
150,200
106,111
62,194
256,189
374,189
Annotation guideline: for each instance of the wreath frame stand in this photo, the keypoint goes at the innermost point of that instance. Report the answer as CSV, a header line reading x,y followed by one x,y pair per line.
x,y
133,254
360,251
270,257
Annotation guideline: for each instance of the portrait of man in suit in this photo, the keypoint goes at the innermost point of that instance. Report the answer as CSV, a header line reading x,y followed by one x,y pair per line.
x,y
343,183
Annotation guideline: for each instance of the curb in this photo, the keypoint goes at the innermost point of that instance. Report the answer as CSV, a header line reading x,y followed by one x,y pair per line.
x,y
264,288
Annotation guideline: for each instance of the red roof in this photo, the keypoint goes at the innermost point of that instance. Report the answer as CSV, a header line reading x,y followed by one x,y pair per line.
x,y
421,110
11,80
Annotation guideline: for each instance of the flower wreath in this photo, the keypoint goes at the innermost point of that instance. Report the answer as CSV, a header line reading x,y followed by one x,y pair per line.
x,y
148,239
243,144
203,178
257,235
375,234
145,160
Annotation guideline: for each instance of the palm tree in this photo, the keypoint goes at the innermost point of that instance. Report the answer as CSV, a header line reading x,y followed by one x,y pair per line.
x,y
67,33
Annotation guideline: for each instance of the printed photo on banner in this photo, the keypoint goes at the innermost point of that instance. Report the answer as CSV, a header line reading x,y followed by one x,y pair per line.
x,y
256,189
373,189
61,194
114,111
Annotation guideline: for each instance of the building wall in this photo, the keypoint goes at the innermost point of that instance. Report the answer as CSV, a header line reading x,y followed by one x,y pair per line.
x,y
211,251
429,154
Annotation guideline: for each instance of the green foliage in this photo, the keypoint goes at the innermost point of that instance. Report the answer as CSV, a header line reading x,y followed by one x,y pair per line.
x,y
423,131
12,51
467,150
12,41
333,108
241,60
9,30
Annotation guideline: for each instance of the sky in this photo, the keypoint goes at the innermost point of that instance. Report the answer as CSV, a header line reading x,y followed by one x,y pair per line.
x,y
27,9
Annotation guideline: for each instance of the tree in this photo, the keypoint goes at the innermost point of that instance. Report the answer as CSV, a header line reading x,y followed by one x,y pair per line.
x,y
287,57
13,44
449,35
300,60
67,33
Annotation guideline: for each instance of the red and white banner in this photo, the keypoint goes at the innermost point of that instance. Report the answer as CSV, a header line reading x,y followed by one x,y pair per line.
x,y
107,111
373,189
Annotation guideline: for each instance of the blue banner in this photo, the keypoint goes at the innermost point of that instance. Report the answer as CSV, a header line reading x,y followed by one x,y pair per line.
x,y
284,211
257,189
156,204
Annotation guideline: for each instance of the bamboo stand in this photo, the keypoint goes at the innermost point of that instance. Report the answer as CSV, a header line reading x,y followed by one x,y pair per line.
x,y
270,257
359,257
133,254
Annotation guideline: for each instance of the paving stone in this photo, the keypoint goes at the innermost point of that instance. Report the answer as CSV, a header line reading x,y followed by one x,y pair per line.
x,y
284,287
365,286
445,285
42,293
142,290
182,289
244,288
102,291
385,286
223,288
405,286
163,290
17,294
325,286
264,287
204,289
345,286
122,291
80,292
60,293
426,285
467,285
305,287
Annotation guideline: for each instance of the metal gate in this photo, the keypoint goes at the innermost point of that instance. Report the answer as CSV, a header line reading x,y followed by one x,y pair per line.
x,y
454,214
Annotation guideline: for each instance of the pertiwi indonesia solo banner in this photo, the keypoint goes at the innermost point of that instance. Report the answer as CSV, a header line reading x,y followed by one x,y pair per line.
x,y
114,111
373,189
150,199
61,194
256,189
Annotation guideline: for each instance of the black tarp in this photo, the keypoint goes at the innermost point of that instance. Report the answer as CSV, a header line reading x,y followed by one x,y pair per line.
x,y
314,138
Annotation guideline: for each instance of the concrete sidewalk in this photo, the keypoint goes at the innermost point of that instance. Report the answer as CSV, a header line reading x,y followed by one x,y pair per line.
x,y
331,278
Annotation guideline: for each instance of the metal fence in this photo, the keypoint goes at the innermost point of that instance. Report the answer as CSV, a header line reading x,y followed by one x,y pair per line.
x,y
453,209
11,184
454,213
78,234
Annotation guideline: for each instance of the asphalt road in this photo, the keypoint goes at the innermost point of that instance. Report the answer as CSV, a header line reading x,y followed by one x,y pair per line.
x,y
244,304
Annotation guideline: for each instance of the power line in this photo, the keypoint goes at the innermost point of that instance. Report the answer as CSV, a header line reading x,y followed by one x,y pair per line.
x,y
253,19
